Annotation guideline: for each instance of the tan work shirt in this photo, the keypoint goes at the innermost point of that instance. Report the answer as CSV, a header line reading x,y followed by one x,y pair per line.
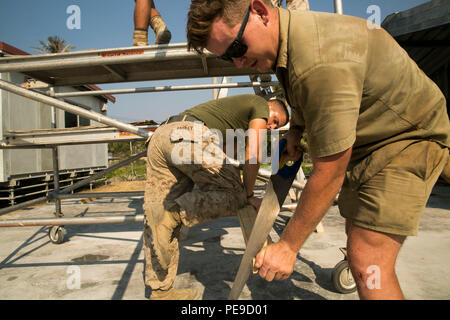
x,y
351,85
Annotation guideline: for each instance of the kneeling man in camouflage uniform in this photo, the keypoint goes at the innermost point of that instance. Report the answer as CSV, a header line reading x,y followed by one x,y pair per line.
x,y
184,152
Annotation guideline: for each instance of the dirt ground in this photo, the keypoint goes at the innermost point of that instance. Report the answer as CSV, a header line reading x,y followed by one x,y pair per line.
x,y
118,186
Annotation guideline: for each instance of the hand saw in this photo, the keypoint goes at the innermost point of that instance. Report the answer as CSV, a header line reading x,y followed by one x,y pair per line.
x,y
276,192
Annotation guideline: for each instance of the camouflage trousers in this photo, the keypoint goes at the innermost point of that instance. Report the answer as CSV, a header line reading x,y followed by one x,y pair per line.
x,y
177,159
293,4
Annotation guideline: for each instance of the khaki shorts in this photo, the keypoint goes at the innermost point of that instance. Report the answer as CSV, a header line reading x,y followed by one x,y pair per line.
x,y
393,200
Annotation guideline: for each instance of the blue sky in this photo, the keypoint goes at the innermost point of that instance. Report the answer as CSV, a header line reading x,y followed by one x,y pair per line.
x,y
109,24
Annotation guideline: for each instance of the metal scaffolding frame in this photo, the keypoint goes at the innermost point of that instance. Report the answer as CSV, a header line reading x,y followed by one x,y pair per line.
x,y
124,64
131,64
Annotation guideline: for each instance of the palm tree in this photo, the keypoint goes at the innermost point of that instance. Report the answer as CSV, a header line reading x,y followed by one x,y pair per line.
x,y
54,45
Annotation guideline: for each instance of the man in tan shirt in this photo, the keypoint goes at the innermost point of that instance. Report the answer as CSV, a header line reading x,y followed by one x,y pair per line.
x,y
377,126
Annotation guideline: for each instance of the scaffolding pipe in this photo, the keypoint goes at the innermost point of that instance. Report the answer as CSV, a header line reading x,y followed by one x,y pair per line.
x,y
71,221
86,220
165,88
52,195
39,97
338,7
77,60
124,194
58,211
102,173
25,204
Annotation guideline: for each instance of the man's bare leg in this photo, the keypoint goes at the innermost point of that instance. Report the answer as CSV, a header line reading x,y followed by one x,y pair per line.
x,y
372,256
142,12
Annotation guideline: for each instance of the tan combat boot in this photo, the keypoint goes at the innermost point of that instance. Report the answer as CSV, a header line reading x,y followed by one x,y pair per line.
x,y
140,37
175,294
162,34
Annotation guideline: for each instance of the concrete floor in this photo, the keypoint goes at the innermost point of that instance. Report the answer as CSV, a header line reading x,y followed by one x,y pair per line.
x,y
106,261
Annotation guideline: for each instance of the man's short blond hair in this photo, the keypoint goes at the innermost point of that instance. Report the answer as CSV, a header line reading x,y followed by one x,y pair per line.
x,y
203,13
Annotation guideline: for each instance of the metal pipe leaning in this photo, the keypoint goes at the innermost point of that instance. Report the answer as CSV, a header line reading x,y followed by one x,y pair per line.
x,y
54,194
36,96
338,7
82,58
119,194
71,221
165,88
83,221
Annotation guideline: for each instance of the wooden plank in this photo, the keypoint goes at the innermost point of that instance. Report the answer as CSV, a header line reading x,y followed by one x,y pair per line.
x,y
266,217
247,216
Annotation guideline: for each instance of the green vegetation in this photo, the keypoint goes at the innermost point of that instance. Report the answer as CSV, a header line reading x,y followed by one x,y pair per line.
x,y
120,151
54,44
307,168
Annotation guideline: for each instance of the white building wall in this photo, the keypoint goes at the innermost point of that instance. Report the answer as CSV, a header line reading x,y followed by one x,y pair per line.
x,y
19,113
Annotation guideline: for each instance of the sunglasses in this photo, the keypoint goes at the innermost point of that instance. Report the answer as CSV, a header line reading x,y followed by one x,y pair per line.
x,y
237,48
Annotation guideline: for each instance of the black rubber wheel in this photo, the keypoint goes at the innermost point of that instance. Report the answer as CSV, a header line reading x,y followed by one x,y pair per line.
x,y
56,234
342,278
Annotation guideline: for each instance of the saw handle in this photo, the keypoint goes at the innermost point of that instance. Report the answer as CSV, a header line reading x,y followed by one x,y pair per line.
x,y
266,243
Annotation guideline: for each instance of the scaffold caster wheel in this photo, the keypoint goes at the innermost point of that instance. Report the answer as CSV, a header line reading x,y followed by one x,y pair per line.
x,y
342,277
56,234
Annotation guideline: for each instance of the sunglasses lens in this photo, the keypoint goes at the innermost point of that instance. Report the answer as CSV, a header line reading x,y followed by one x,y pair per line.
x,y
226,58
236,50
239,50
